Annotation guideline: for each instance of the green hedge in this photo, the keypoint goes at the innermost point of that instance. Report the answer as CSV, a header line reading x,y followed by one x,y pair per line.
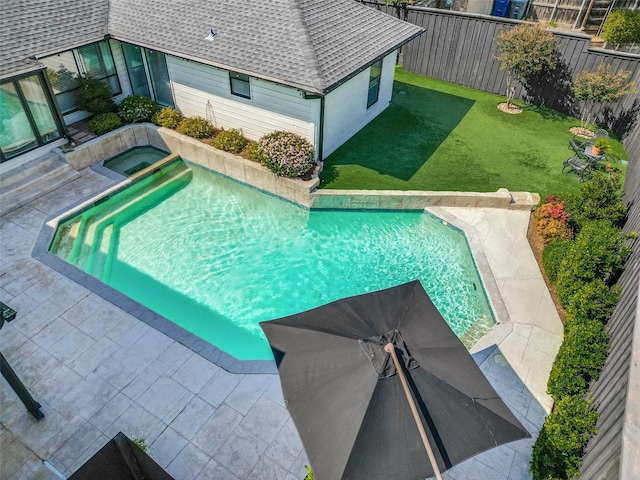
x,y
622,26
230,141
197,127
598,199
557,453
580,358
167,117
104,122
598,252
552,256
594,301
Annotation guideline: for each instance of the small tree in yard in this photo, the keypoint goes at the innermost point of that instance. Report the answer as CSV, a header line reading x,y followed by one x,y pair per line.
x,y
525,51
601,86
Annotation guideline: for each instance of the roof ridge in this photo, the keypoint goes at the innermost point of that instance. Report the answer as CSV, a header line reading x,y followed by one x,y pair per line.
x,y
318,75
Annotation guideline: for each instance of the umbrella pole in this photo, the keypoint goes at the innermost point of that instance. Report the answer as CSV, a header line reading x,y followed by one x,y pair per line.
x,y
389,348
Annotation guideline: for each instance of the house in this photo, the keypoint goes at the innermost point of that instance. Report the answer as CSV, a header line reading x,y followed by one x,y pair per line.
x,y
319,69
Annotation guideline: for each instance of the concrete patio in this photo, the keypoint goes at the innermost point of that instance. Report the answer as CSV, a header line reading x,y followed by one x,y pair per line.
x,y
96,370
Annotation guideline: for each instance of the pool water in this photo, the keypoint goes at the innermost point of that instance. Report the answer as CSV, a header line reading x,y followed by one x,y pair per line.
x,y
134,160
216,257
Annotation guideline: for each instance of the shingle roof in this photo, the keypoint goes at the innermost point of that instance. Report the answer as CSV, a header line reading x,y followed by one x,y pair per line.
x,y
313,44
310,44
30,27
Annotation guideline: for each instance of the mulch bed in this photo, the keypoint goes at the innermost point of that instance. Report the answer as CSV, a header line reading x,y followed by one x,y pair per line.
x,y
537,245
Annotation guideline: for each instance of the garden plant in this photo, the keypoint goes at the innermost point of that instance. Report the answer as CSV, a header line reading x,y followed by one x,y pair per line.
x,y
583,271
525,51
286,154
600,87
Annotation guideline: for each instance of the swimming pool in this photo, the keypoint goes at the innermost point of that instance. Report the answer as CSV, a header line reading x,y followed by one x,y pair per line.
x,y
216,257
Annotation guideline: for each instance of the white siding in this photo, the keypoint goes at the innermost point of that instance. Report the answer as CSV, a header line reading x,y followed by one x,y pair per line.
x,y
345,108
201,90
121,70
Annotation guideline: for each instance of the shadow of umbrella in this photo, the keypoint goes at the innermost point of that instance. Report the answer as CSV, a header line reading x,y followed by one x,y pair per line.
x,y
346,397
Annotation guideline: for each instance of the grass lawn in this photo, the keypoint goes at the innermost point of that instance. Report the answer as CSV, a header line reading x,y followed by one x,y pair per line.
x,y
440,136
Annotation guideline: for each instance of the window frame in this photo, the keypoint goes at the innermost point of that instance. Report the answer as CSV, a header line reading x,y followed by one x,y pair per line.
x,y
80,70
242,78
44,85
374,81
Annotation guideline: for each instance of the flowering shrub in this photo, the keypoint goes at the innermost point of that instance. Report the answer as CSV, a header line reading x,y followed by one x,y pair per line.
x,y
167,117
197,127
137,108
103,123
230,141
286,154
552,220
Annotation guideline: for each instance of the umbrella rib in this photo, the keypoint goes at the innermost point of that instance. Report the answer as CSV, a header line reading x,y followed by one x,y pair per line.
x,y
391,349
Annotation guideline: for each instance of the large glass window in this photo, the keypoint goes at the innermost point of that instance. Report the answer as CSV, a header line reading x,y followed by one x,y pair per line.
x,y
135,67
240,85
374,83
159,77
27,116
63,71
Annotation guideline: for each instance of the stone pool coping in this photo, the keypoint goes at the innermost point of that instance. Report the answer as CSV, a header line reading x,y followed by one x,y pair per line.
x,y
300,192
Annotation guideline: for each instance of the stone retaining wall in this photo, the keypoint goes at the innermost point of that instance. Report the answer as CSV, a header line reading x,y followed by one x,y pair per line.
x,y
302,192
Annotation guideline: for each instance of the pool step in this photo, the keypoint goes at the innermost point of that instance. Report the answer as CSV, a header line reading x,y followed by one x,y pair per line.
x,y
92,249
32,180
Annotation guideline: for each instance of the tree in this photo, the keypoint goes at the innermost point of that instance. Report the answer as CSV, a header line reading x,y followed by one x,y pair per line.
x,y
524,52
601,86
622,26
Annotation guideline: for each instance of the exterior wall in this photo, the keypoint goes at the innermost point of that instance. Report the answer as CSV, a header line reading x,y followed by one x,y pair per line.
x,y
201,90
345,108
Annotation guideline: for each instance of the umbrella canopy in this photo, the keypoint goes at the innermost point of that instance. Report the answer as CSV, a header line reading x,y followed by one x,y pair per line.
x,y
346,399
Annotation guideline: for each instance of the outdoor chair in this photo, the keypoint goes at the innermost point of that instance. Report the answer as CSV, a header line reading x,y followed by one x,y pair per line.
x,y
578,164
579,145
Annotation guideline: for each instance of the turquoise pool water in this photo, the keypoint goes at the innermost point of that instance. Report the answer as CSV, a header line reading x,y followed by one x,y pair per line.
x,y
217,257
134,160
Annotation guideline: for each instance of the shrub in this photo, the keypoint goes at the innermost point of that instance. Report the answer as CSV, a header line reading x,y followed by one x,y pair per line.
x,y
285,153
167,117
95,95
551,220
230,141
103,123
196,127
525,51
558,450
580,358
599,199
622,26
594,301
137,108
601,86
552,256
598,252
252,151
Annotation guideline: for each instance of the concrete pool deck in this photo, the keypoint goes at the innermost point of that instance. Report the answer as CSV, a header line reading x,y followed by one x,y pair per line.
x,y
97,370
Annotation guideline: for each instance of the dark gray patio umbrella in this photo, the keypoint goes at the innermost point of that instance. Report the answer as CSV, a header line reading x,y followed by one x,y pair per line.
x,y
346,397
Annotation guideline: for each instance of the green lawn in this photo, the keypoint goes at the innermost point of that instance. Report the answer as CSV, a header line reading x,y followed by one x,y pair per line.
x,y
441,136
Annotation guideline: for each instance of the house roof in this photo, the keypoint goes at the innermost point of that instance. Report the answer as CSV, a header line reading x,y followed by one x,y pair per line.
x,y
310,44
37,27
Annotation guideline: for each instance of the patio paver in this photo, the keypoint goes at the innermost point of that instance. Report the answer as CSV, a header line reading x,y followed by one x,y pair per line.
x,y
96,378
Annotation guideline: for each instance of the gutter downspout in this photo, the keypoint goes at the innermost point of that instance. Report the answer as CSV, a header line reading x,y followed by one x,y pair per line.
x,y
321,130
314,96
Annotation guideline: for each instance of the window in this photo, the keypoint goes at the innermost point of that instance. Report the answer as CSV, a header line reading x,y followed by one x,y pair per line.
x,y
374,83
63,70
27,117
240,85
